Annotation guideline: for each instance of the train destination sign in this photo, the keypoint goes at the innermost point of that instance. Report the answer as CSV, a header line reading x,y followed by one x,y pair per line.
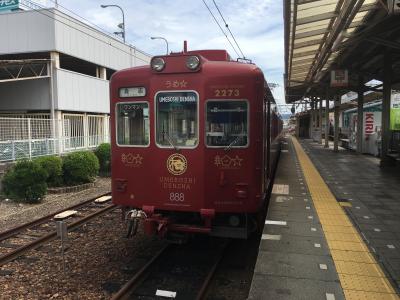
x,y
8,4
128,92
177,98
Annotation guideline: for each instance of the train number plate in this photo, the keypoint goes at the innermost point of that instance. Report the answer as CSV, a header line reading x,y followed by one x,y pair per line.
x,y
177,197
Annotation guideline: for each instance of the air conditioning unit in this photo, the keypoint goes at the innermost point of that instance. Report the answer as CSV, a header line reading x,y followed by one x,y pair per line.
x,y
394,7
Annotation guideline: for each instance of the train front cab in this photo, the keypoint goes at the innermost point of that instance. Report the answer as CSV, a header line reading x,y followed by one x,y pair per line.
x,y
189,152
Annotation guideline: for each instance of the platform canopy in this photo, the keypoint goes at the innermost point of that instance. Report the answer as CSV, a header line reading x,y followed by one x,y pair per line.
x,y
321,35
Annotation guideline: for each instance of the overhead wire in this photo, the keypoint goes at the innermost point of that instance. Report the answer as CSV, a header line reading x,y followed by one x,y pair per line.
x,y
227,27
42,9
223,31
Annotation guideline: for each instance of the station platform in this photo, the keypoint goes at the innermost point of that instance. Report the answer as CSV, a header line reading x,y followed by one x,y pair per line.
x,y
321,239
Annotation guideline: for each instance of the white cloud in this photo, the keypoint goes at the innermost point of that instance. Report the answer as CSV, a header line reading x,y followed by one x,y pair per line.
x,y
256,24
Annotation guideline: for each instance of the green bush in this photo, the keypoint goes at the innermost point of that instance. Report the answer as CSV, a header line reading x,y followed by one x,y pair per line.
x,y
26,180
103,153
80,167
53,166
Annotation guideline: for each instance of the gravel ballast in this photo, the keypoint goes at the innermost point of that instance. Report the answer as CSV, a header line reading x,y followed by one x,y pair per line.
x,y
99,260
14,213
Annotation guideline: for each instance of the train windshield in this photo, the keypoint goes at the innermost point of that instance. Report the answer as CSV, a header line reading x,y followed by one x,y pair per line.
x,y
133,124
226,124
177,120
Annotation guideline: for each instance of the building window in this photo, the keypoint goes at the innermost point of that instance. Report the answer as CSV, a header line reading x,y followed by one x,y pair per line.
x,y
96,130
74,131
227,124
133,124
177,120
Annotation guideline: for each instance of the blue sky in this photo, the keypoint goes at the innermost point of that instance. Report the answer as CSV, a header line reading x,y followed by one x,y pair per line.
x,y
256,24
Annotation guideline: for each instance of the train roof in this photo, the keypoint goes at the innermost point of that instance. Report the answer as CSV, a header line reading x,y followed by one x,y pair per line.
x,y
211,55
214,56
213,59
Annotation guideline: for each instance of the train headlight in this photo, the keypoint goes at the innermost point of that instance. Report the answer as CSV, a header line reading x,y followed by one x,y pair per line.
x,y
157,64
192,62
234,221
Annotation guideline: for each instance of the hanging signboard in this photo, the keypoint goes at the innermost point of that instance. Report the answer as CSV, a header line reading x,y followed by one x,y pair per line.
x,y
369,123
371,132
339,78
372,120
8,4
395,110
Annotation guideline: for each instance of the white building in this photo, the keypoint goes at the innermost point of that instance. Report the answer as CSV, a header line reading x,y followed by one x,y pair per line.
x,y
54,77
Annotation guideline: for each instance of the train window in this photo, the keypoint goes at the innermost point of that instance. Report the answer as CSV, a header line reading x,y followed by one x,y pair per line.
x,y
133,124
177,120
227,124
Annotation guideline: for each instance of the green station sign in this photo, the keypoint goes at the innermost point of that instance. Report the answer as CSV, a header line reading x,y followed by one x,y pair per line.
x,y
8,4
395,111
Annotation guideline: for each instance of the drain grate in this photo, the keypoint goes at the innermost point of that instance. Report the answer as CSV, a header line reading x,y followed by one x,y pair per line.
x,y
342,200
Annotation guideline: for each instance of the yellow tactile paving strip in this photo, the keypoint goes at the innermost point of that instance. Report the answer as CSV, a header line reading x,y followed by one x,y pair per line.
x,y
360,275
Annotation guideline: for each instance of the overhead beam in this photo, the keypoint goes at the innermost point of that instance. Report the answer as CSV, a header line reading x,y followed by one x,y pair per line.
x,y
368,7
301,67
355,24
286,18
378,27
382,26
306,44
344,18
310,33
318,53
297,81
305,53
293,30
306,1
298,73
316,18
303,61
297,70
383,42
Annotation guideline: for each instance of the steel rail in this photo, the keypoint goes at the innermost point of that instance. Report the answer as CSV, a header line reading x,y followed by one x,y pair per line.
x,y
140,276
203,290
125,291
13,231
19,251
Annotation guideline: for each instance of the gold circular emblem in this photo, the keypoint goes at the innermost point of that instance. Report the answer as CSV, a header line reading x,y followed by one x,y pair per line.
x,y
176,164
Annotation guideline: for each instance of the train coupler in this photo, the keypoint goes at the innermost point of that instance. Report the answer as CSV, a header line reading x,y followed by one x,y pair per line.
x,y
133,218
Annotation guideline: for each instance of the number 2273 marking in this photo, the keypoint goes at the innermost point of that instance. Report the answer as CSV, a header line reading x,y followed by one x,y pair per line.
x,y
226,93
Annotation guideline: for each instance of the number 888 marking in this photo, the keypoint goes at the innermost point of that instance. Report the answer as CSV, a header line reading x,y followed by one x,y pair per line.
x,y
178,197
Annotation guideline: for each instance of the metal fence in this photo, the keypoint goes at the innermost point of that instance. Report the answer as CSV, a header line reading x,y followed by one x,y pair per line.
x,y
32,137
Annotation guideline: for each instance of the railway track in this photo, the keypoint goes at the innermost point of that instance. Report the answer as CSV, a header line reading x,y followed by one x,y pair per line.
x,y
176,271
18,240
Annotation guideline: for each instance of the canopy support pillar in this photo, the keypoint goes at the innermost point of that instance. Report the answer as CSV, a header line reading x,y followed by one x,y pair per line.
x,y
327,122
360,114
387,92
336,131
320,122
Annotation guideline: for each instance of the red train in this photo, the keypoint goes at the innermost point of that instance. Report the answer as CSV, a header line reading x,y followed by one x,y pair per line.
x,y
194,143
